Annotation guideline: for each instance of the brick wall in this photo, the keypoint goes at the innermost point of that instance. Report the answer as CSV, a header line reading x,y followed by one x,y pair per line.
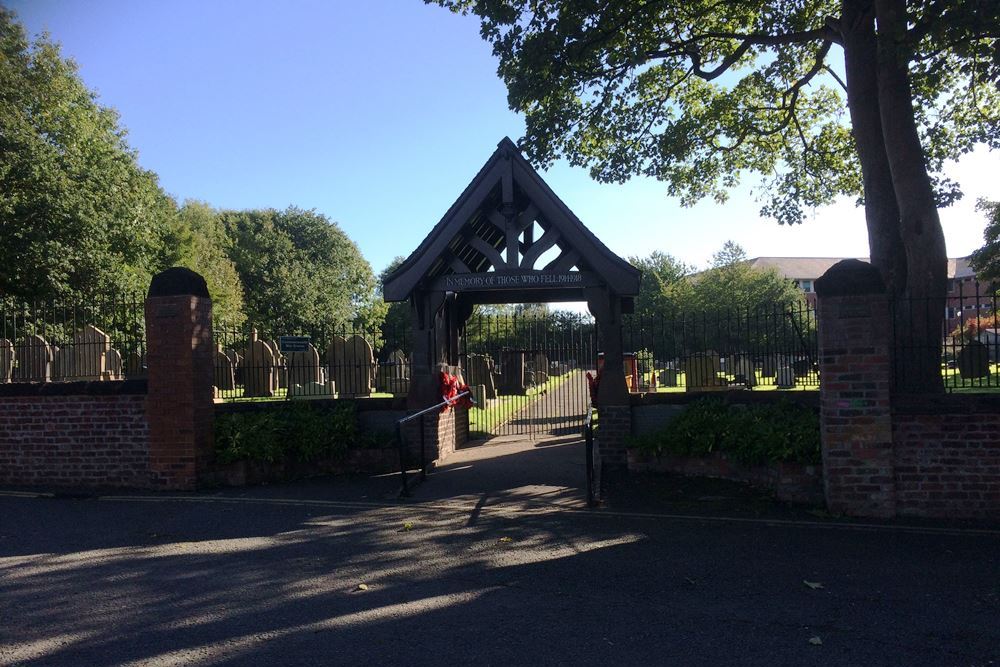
x,y
614,426
79,434
947,455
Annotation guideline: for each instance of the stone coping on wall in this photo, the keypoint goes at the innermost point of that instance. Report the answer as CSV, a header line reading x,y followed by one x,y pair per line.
x,y
395,403
732,397
942,404
83,388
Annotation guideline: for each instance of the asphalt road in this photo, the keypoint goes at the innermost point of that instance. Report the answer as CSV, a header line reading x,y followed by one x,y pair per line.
x,y
273,576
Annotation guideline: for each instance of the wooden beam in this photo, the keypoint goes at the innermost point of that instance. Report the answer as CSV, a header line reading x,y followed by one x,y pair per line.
x,y
564,262
488,251
548,240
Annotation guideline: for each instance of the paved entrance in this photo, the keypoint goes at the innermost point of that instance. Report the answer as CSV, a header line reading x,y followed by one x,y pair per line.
x,y
515,470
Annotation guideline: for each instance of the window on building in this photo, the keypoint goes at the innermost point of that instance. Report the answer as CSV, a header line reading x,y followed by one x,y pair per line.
x,y
806,285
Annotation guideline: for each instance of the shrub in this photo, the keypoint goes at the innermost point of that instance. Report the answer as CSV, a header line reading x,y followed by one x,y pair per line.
x,y
751,435
301,431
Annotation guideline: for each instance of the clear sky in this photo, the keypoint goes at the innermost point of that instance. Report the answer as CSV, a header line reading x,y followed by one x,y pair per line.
x,y
378,113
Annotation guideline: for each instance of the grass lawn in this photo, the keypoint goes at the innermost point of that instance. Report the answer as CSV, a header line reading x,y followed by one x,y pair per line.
x,y
503,408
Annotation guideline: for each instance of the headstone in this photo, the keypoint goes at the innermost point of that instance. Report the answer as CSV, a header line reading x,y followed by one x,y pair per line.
x,y
529,378
237,360
513,380
89,357
33,360
702,373
771,364
6,360
135,366
974,360
394,374
303,367
312,390
480,370
785,378
742,368
479,395
225,377
56,372
114,365
259,366
541,368
802,367
668,377
352,365
556,369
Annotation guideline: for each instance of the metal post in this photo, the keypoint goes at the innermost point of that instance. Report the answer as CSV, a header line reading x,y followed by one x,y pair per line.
x,y
402,459
423,459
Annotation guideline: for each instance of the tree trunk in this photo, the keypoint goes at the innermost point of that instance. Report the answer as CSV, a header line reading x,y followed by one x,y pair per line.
x,y
918,362
881,212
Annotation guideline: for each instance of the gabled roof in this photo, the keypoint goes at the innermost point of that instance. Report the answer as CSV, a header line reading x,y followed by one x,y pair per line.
x,y
497,212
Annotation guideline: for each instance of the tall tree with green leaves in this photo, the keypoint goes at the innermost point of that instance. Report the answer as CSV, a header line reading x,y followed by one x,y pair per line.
x,y
79,218
986,260
300,272
663,284
822,98
733,287
196,239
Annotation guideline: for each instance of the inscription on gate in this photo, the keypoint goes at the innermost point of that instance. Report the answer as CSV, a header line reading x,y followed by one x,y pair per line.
x,y
511,281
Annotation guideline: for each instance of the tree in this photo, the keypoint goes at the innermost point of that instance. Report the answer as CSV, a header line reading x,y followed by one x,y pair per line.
x,y
300,272
733,287
79,219
196,239
986,260
697,93
663,284
397,328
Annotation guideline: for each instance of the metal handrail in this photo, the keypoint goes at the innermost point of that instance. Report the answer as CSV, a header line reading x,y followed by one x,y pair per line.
x,y
405,491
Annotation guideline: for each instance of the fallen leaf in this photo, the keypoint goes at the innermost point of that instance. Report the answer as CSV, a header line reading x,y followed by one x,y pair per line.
x,y
362,587
815,641
408,525
812,584
506,539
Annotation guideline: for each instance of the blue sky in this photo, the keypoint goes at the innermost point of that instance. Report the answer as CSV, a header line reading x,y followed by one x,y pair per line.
x,y
377,114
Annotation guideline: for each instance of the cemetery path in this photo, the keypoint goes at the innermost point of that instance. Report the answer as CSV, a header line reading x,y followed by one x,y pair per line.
x,y
560,410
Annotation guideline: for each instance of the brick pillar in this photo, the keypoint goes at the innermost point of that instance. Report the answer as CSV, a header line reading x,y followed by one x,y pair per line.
x,y
614,406
179,357
853,322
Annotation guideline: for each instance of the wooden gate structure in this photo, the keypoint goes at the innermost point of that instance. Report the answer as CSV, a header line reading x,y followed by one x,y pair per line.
x,y
508,239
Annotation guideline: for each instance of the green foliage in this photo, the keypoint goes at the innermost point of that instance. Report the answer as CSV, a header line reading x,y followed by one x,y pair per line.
x,y
751,435
663,286
78,217
300,272
697,94
732,285
397,317
300,431
197,240
986,260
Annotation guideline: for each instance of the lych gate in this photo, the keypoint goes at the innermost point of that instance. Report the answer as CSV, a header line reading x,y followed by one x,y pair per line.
x,y
509,239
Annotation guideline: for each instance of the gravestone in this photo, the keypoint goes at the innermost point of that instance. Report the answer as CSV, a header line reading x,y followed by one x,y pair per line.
x,y
56,372
802,367
481,372
702,373
974,360
33,360
312,390
785,378
771,364
225,377
135,366
87,357
237,359
352,365
394,374
114,365
556,369
529,378
541,368
668,377
6,360
743,369
479,395
259,369
303,367
512,380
